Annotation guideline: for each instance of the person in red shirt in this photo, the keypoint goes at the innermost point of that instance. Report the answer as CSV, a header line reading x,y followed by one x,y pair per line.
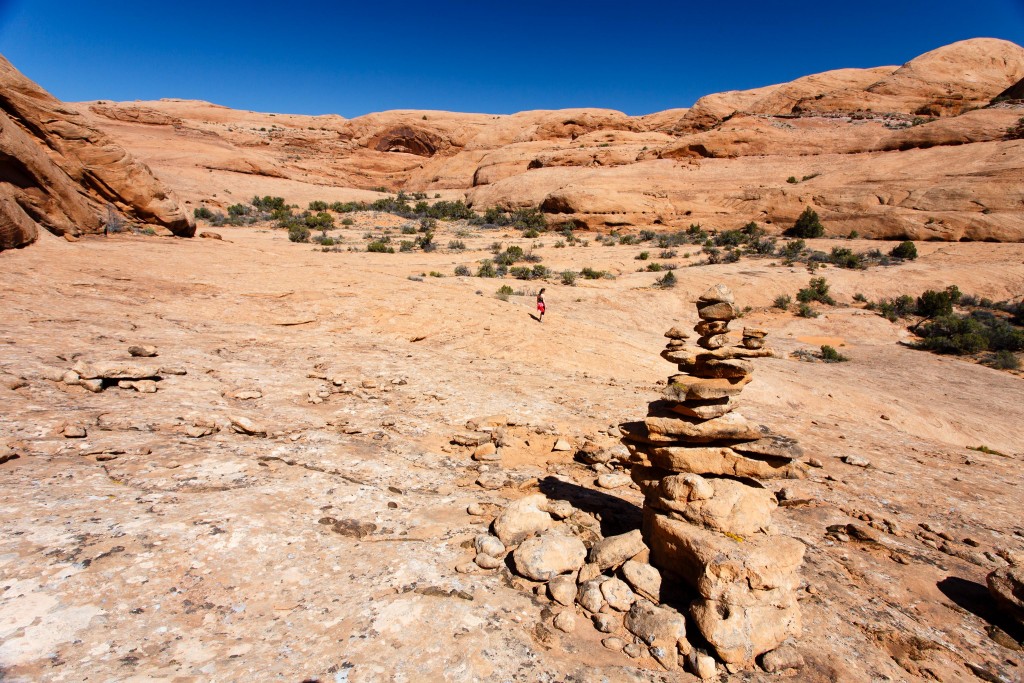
x,y
540,304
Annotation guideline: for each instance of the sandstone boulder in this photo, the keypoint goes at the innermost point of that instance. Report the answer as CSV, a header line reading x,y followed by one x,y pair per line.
x,y
546,556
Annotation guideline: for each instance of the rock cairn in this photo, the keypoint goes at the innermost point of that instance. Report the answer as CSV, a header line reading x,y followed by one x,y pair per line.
x,y
703,519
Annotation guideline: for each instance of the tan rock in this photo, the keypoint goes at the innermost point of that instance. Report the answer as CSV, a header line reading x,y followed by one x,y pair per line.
x,y
709,327
523,518
740,634
142,351
729,426
548,555
717,311
686,387
716,294
1006,585
714,341
644,579
704,410
729,507
562,589
716,460
486,452
112,370
677,333
658,626
614,550
244,425
617,594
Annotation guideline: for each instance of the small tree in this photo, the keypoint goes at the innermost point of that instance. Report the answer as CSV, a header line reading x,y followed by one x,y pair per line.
x,y
904,250
808,225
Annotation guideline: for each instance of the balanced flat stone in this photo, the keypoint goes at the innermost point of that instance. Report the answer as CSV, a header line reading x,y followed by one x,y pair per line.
x,y
719,504
116,370
715,368
716,294
677,333
730,426
704,409
740,634
706,327
716,460
714,341
718,311
688,388
773,445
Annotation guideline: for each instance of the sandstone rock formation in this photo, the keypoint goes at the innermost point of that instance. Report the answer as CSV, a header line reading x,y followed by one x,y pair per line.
x,y
64,175
723,162
702,522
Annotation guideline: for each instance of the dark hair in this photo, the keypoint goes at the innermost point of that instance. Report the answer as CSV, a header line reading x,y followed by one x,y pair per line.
x,y
542,290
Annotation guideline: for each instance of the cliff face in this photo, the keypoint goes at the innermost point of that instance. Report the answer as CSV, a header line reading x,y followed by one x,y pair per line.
x,y
62,174
911,151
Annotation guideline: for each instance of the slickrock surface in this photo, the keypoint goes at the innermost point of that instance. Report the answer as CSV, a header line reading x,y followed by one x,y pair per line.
x,y
912,150
62,174
203,533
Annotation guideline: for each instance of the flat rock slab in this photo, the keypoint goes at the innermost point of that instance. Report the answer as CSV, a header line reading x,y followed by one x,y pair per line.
x,y
715,460
687,387
116,370
729,426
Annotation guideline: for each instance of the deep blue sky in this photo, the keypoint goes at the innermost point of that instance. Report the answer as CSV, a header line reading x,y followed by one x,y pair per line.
x,y
468,55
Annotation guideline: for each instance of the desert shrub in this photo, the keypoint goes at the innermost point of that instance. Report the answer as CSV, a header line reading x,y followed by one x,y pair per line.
x,y
521,272
782,301
845,258
860,298
647,235
591,274
486,269
830,355
894,309
793,248
667,254
643,256
805,311
666,281
408,230
298,233
347,221
904,250
462,270
954,334
236,210
268,203
628,239
1003,360
506,290
1016,132
729,238
932,304
380,247
457,245
318,205
321,220
654,267
816,290
511,255
808,225
568,278
427,223
540,271
406,245
764,246
202,212
731,256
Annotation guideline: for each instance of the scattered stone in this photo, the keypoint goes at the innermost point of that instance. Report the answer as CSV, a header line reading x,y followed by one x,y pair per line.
x,y
667,657
18,383
856,461
613,643
562,589
523,518
492,481
142,351
489,545
657,626
561,445
143,386
1006,585
588,572
198,432
477,510
617,594
247,394
468,568
208,235
703,666
633,650
487,452
613,480
549,555
71,378
590,596
677,333
473,439
614,550
93,385
643,579
74,432
716,294
115,370
489,422
606,622
782,659
244,425
486,561
565,621
172,370
814,462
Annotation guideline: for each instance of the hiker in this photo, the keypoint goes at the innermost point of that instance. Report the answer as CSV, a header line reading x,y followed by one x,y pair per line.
x,y
540,304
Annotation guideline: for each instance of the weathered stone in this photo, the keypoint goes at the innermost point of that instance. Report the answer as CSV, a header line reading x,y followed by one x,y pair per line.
x,y
753,343
701,665
477,509
1006,585
856,461
773,446
723,505
172,370
244,425
93,385
549,555
565,621
714,368
522,518
74,432
644,579
485,561
731,426
677,333
471,439
633,651
562,589
606,622
713,341
246,394
613,480
705,410
589,595
487,452
198,432
657,626
486,422
716,294
143,386
687,387
708,327
741,633
717,311
492,481
489,545
783,658
613,643
142,351
561,445
720,567
715,460
617,594
614,550
588,572
115,370
754,333
467,568
71,378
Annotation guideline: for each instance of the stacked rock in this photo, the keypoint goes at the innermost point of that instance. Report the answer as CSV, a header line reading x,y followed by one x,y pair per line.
x,y
704,521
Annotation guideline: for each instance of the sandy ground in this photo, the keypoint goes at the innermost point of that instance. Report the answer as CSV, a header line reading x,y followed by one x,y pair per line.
x,y
138,553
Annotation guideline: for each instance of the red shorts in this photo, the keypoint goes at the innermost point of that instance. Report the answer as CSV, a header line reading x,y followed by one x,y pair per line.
x,y
540,306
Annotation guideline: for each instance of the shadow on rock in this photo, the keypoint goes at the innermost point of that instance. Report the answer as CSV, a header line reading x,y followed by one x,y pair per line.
x,y
976,599
617,516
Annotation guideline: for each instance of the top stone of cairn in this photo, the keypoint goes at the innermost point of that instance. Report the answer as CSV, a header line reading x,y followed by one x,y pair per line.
x,y
719,294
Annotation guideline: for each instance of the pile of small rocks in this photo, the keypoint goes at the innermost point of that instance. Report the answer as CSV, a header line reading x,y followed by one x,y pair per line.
x,y
101,375
704,521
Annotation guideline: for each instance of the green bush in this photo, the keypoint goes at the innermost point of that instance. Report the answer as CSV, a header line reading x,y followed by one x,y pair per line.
x,y
666,281
202,212
643,256
793,248
932,304
1017,131
808,225
506,290
457,245
816,290
318,206
298,233
805,311
462,270
347,221
591,274
654,267
486,269
845,258
904,250
792,180
380,247
830,355
236,210
1003,360
568,278
268,203
783,301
